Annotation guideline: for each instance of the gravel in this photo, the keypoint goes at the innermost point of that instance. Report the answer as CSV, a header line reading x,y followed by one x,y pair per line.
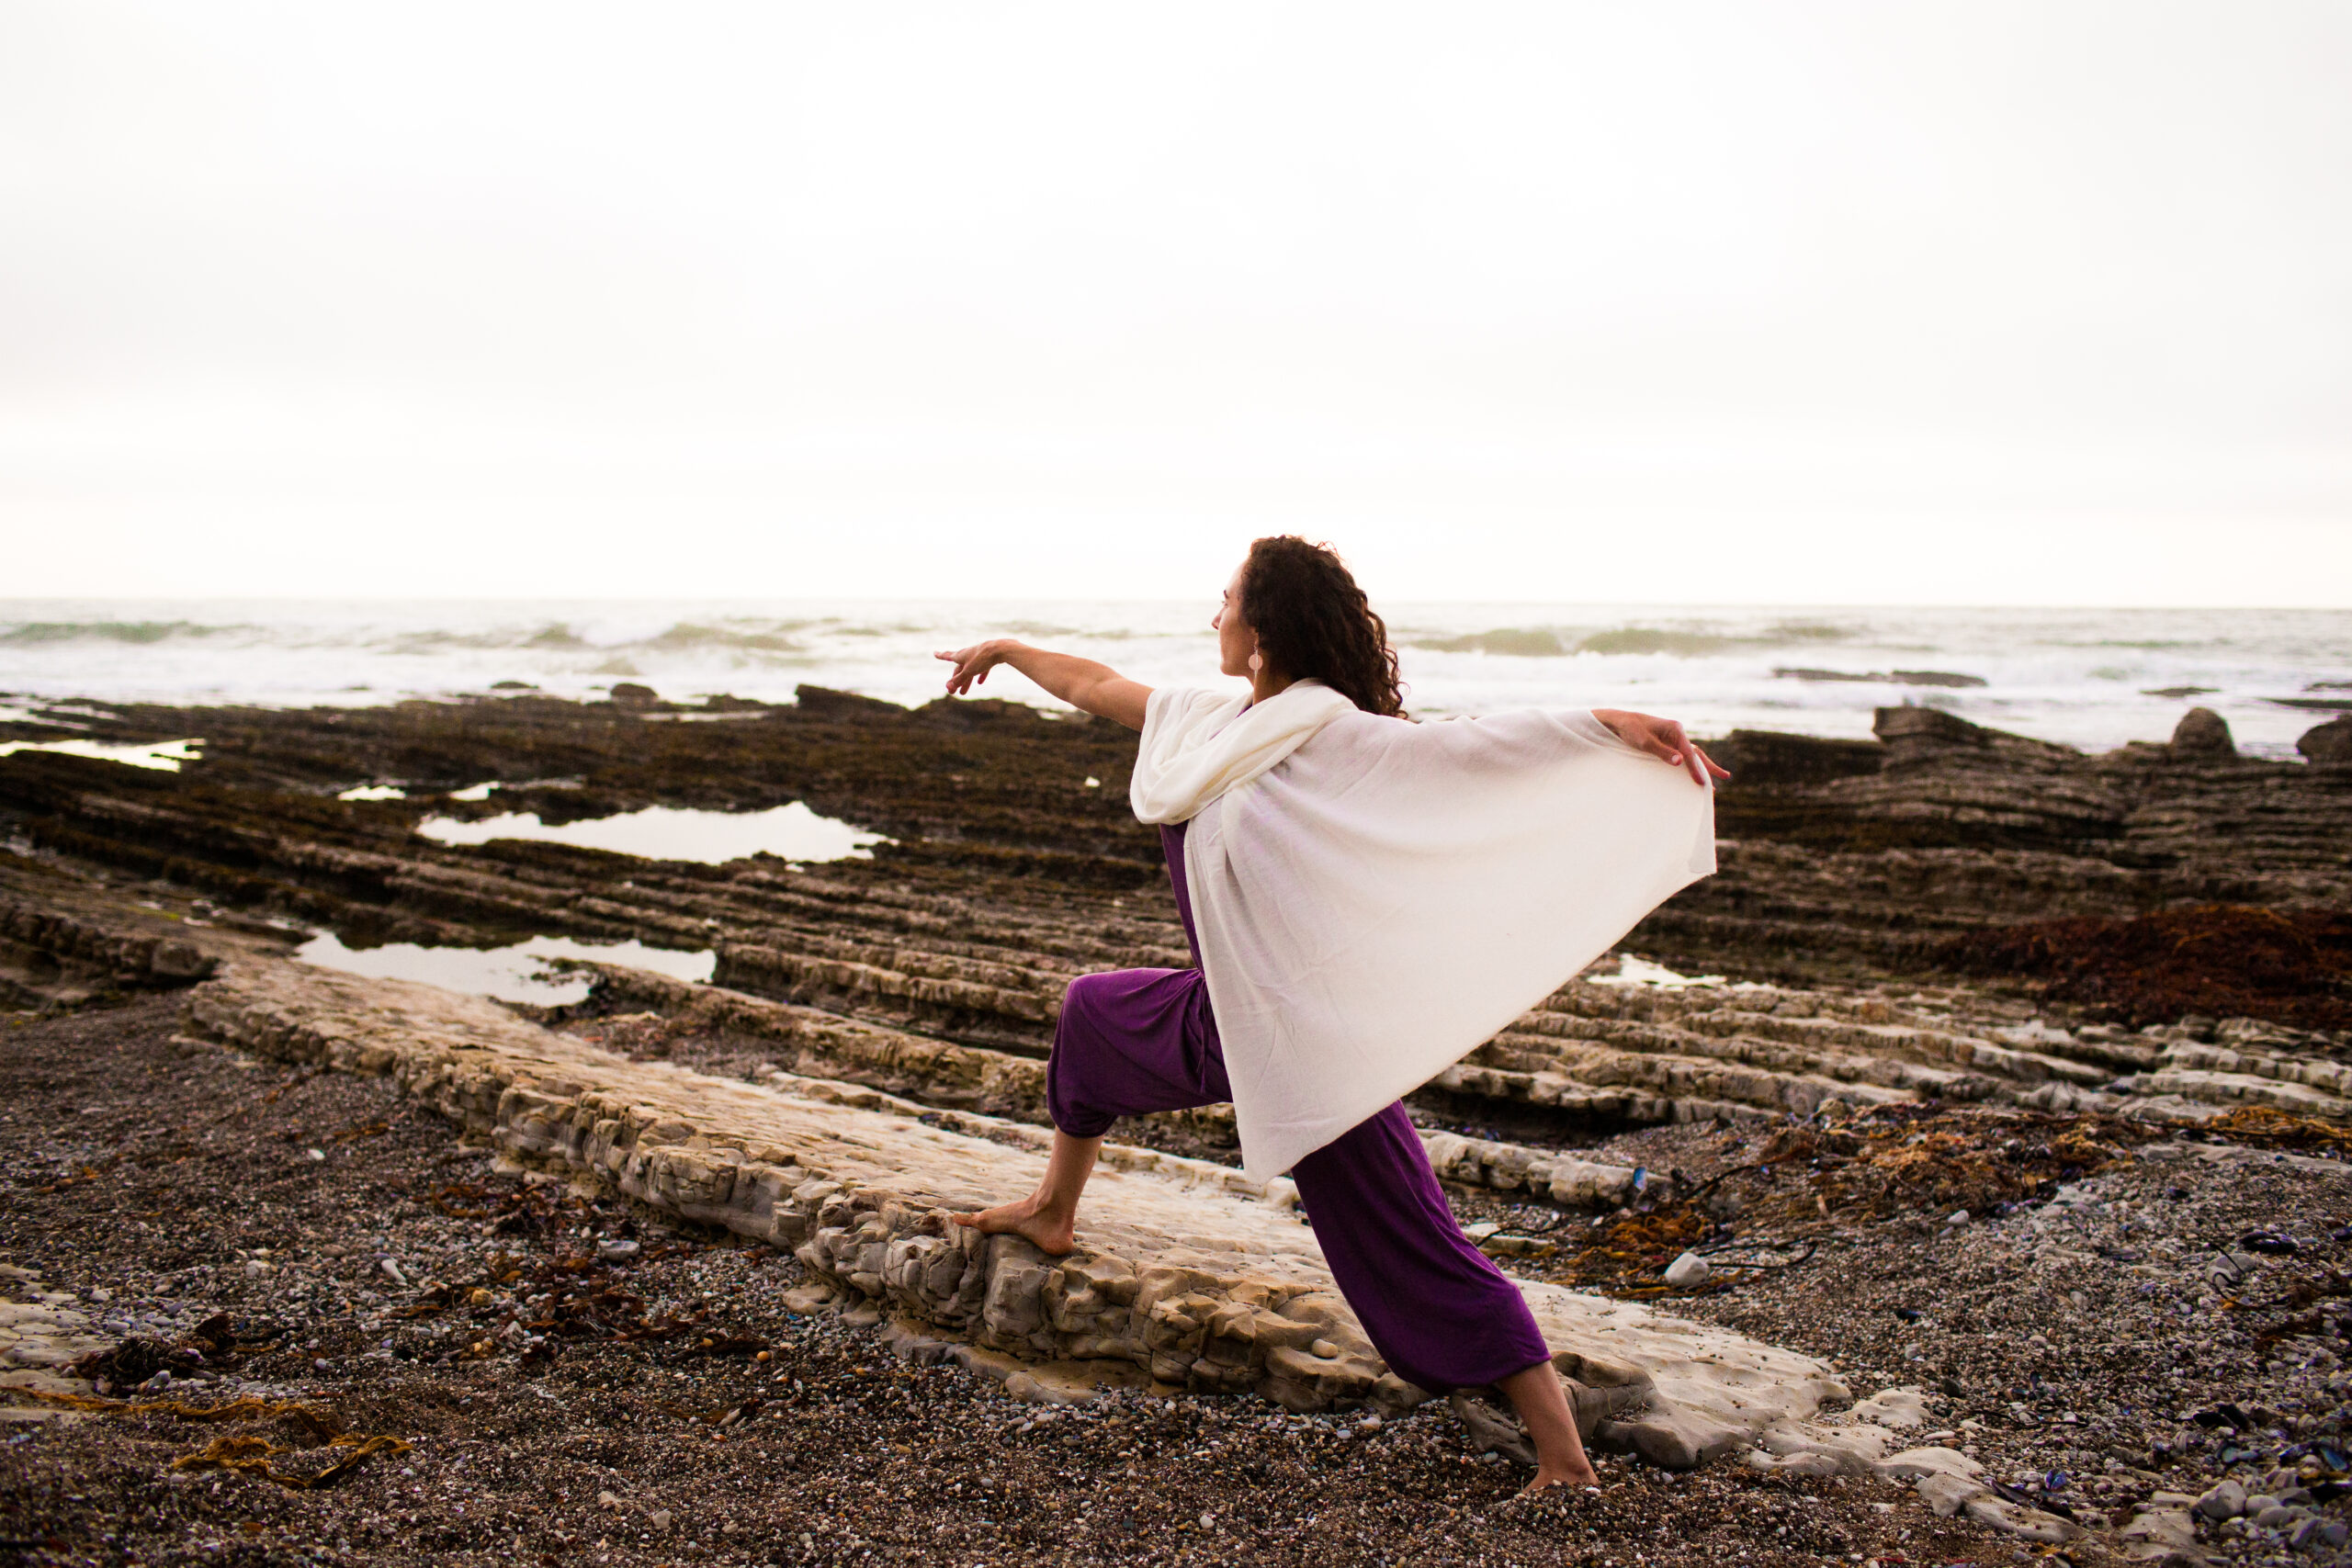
x,y
163,1183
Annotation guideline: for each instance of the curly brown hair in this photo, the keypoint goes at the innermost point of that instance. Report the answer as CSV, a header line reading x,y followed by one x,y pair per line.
x,y
1313,622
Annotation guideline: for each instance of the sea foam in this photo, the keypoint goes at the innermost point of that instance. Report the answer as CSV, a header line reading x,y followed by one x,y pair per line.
x,y
2091,678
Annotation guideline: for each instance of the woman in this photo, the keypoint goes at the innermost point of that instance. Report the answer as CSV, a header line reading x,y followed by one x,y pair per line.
x,y
1367,900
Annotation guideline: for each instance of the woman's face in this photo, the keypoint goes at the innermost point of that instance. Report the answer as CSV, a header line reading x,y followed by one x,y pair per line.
x,y
1235,641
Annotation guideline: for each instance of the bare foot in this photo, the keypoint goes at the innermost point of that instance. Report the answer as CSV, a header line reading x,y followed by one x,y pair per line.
x,y
1053,1235
1547,1479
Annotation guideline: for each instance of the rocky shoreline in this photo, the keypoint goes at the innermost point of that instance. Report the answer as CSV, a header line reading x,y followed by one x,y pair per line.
x,y
663,1436
2006,1037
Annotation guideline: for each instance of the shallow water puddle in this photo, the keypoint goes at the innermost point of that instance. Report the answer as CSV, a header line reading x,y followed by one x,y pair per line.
x,y
472,791
165,755
665,832
517,973
1633,971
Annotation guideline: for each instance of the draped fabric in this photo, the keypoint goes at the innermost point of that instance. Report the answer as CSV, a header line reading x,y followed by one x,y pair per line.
x,y
1375,898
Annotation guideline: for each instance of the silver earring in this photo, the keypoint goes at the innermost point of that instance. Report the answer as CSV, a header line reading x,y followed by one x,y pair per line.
x,y
1256,663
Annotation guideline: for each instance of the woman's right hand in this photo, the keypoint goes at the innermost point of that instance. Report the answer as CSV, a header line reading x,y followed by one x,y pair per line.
x,y
1662,738
973,664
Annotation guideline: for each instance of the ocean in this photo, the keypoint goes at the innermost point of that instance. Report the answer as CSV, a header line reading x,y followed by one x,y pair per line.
x,y
2090,678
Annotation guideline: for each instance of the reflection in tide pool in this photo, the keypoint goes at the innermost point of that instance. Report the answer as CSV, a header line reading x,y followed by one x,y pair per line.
x,y
1633,971
664,832
517,974
165,755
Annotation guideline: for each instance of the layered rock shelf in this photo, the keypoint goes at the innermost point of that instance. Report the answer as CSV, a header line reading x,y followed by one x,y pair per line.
x,y
1864,885
1188,1273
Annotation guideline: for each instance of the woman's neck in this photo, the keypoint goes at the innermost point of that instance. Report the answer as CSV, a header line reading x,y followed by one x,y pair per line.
x,y
1266,683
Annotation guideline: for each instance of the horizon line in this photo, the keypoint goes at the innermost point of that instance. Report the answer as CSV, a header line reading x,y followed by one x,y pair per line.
x,y
1777,604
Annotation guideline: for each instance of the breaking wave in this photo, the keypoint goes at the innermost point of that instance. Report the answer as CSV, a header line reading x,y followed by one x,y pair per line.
x,y
770,638
1558,642
135,633
1511,642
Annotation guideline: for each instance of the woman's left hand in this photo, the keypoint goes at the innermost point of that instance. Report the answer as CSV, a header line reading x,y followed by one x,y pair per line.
x,y
972,664
1662,738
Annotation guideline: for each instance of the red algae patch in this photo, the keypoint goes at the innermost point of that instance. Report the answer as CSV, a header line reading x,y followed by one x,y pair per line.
x,y
2218,960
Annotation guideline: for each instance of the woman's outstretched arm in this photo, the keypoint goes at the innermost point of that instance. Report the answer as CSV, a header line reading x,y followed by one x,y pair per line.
x,y
1096,688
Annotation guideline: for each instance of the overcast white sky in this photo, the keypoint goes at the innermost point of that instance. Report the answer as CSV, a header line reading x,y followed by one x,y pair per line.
x,y
1748,302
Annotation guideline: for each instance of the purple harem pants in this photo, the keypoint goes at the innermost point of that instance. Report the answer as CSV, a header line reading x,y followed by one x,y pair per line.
x,y
1439,1311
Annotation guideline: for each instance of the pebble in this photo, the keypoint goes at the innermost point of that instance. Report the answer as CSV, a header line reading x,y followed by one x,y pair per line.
x,y
2319,1534
1687,1270
2224,1501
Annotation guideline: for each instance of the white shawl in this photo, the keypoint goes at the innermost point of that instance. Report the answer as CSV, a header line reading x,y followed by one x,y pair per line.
x,y
1375,898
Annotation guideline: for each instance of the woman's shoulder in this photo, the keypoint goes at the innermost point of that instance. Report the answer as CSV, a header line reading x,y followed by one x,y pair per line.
x,y
1441,735
1180,716
1178,706
1355,729
1182,699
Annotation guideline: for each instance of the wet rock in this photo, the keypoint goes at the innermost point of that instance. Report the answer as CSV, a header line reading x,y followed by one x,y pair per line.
x,y
2330,744
2202,735
939,966
825,703
179,961
1856,857
1887,677
1774,759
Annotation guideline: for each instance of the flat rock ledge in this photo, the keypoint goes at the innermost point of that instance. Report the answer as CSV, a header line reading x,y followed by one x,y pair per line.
x,y
1189,1276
